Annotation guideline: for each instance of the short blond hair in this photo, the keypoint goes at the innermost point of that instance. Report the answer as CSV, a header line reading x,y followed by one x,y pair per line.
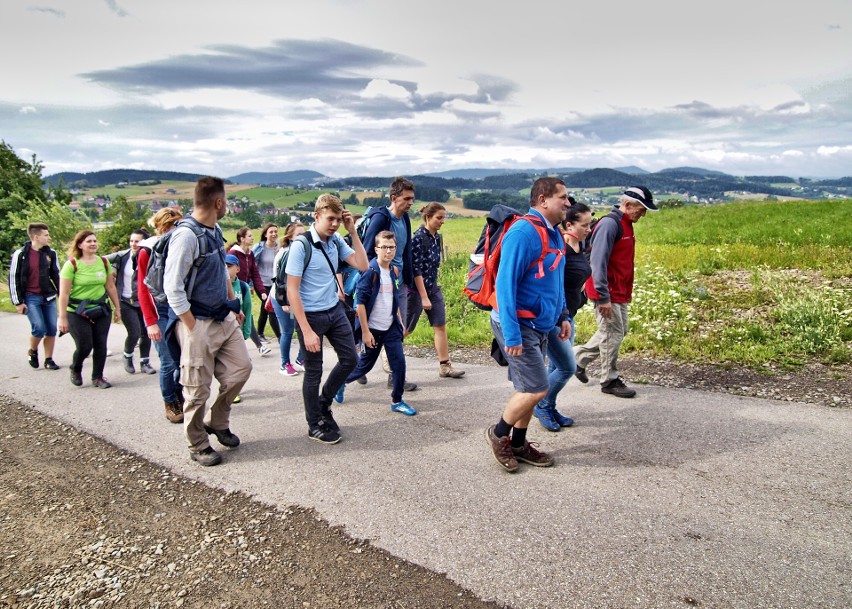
x,y
164,220
329,202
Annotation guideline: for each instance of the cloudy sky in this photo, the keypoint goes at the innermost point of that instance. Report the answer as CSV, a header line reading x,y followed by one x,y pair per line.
x,y
376,87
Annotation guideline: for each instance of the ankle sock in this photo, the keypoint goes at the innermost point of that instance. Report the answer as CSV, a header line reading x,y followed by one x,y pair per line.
x,y
444,362
519,436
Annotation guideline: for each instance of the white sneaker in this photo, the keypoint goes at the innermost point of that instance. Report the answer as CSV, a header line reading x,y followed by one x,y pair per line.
x,y
298,366
264,350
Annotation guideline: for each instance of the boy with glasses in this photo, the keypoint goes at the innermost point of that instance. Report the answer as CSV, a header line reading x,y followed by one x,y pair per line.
x,y
379,322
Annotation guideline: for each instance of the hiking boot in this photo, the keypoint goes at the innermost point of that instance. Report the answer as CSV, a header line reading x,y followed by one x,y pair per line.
x,y
529,454
225,437
49,364
128,365
339,397
145,366
545,417
447,371
76,378
362,380
101,383
407,387
403,408
501,448
617,388
206,457
323,434
174,413
562,420
33,355
287,370
581,375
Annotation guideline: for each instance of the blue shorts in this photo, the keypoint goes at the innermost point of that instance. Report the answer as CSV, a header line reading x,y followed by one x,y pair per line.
x,y
527,371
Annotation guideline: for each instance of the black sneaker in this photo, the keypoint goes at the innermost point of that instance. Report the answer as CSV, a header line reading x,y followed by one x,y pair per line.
x,y
33,355
327,422
128,365
323,434
581,375
100,383
225,437
206,457
146,368
361,380
49,364
76,378
617,388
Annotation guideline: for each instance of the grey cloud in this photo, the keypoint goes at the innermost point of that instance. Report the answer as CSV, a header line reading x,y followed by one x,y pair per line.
x,y
113,6
332,71
46,9
328,70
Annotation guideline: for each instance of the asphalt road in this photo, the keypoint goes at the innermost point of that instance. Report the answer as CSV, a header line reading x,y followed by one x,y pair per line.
x,y
676,498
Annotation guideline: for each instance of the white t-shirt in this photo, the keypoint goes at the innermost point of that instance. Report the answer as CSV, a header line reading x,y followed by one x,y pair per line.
x,y
381,315
127,288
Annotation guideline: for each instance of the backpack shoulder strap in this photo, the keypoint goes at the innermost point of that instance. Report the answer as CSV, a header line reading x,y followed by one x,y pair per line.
x,y
106,264
543,235
307,242
73,262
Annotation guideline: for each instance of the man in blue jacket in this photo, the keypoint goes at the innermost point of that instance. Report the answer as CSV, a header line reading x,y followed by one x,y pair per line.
x,y
530,302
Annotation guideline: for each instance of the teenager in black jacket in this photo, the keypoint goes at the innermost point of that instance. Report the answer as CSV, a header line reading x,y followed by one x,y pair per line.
x,y
33,287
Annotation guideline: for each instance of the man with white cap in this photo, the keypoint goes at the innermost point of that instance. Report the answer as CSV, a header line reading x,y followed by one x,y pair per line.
x,y
610,288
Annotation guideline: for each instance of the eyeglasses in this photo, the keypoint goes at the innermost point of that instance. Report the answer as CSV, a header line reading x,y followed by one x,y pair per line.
x,y
385,247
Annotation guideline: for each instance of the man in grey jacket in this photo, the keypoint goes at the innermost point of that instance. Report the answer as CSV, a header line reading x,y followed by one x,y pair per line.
x,y
208,323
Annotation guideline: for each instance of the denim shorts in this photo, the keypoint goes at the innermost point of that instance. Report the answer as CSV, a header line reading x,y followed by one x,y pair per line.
x,y
42,315
527,371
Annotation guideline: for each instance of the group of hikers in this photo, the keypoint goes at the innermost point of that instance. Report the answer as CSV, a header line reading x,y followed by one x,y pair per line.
x,y
186,292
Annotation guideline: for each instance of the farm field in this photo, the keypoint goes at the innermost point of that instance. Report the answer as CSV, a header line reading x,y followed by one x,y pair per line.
x,y
183,190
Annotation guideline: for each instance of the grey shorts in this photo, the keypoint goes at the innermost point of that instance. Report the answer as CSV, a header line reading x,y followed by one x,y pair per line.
x,y
437,315
527,372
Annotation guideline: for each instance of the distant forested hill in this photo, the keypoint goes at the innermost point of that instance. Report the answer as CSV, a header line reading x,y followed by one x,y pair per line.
x,y
295,178
114,176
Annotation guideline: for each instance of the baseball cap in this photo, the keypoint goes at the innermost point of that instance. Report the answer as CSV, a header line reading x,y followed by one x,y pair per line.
x,y
642,195
232,260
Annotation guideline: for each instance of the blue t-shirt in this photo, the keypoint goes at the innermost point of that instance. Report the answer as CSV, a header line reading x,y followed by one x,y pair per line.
x,y
319,285
397,225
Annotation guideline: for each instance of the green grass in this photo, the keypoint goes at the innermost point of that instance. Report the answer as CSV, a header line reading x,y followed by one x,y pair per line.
x,y
747,283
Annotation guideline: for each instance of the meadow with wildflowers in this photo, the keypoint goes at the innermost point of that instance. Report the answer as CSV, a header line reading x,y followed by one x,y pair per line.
x,y
748,283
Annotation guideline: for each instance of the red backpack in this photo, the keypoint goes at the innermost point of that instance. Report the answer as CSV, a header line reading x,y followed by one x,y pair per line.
x,y
480,287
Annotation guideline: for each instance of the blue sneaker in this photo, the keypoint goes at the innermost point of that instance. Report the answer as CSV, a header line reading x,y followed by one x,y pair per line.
x,y
338,397
545,417
403,408
561,419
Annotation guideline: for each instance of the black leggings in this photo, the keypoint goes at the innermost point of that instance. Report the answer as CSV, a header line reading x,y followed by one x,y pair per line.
x,y
133,321
264,315
89,337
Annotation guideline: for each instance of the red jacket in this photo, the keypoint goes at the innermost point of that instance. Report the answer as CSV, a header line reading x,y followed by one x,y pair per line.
x,y
619,267
248,270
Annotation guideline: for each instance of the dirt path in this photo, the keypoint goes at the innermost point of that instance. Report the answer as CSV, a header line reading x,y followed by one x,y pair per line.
x,y
83,523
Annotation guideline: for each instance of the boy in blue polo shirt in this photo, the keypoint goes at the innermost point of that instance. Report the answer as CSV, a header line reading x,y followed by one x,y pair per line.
x,y
379,321
315,303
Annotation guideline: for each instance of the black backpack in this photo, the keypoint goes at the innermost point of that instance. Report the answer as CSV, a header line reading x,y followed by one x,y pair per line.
x,y
280,279
157,263
586,246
